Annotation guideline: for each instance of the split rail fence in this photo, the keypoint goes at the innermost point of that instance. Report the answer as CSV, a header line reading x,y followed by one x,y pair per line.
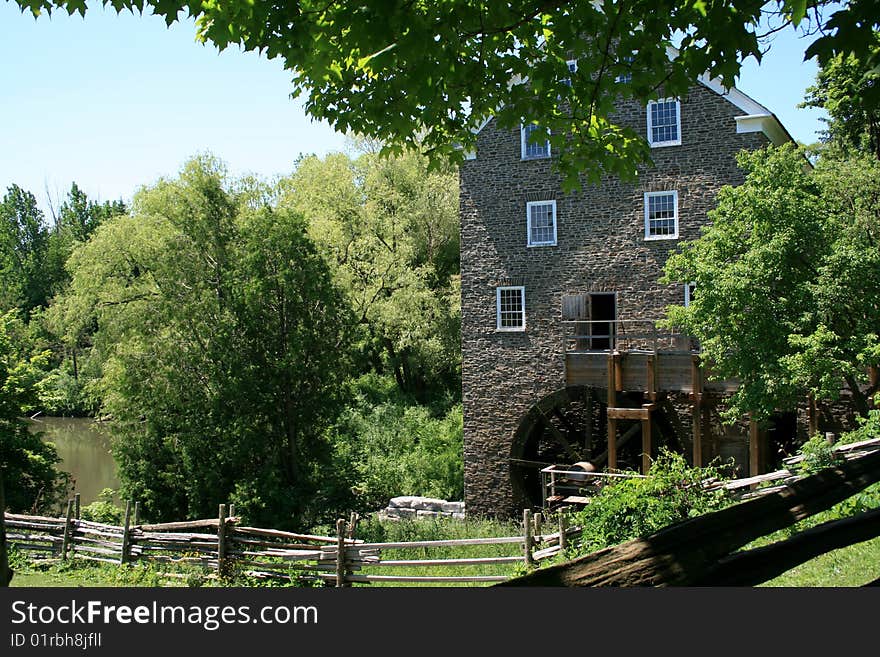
x,y
222,547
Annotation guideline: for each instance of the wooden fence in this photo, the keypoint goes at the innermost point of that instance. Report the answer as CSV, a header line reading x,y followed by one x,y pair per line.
x,y
222,546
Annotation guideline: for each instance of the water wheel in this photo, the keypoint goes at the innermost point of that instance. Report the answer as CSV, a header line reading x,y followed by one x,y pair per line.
x,y
566,427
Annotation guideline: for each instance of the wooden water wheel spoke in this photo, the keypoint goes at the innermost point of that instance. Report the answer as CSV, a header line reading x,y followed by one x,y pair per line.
x,y
560,439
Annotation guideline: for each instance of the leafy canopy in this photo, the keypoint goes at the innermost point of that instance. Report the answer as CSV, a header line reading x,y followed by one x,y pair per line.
x,y
428,74
788,280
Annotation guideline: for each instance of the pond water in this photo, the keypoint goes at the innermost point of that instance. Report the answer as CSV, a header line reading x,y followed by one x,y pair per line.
x,y
84,448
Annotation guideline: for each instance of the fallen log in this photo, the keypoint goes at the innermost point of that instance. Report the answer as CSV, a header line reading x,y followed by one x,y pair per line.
x,y
686,552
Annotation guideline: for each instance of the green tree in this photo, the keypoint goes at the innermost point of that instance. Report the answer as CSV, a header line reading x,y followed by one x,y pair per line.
x,y
389,228
24,458
788,280
222,342
427,74
848,88
24,282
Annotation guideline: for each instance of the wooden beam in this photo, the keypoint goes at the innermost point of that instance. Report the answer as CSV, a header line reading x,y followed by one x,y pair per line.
x,y
612,402
697,396
646,443
629,413
755,452
651,385
686,552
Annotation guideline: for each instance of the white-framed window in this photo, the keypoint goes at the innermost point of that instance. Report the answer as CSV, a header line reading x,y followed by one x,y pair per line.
x,y
661,215
530,149
541,223
572,65
689,290
625,78
664,122
510,303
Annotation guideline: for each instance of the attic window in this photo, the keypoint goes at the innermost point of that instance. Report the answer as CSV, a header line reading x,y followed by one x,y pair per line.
x,y
661,215
664,123
530,149
510,305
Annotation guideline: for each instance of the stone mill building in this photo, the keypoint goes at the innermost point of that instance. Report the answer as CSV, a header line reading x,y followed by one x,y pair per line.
x,y
560,290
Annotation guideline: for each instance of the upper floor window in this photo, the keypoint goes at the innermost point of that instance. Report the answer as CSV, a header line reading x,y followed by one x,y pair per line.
x,y
530,149
572,68
627,77
689,291
541,216
510,303
664,123
661,215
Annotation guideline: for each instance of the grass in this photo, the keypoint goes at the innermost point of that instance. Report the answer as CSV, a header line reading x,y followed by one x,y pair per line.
x,y
854,565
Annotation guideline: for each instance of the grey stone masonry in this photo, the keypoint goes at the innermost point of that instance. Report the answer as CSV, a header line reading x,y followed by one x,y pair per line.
x,y
601,246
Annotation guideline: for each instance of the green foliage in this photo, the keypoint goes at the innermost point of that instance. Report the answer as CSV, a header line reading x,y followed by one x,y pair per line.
x,y
103,509
27,463
428,74
24,279
221,342
637,507
788,280
848,88
385,447
389,229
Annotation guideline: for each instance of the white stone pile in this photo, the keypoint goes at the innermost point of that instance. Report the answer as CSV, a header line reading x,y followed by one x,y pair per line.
x,y
411,506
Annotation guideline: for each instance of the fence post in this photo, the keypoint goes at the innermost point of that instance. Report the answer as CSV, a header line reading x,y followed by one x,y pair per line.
x,y
563,538
340,552
221,541
137,513
538,521
527,536
352,524
126,534
65,543
231,510
76,499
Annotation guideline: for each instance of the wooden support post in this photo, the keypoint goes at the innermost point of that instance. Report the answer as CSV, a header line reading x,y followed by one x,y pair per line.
x,y
527,537
137,513
651,389
756,448
126,534
221,541
696,410
563,526
231,510
352,524
646,445
537,522
65,542
618,371
76,501
340,553
812,416
612,423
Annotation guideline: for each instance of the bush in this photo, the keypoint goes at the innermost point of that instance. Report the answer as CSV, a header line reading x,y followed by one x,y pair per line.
x,y
637,507
103,509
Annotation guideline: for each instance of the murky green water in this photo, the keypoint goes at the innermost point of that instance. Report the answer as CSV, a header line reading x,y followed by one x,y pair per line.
x,y
84,448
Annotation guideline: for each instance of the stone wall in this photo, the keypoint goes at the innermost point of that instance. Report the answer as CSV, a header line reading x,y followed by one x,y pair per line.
x,y
600,247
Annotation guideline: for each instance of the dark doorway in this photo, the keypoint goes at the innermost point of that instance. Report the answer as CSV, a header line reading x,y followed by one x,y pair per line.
x,y
603,313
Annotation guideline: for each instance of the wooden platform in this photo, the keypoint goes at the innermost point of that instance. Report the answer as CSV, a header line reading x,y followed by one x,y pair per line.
x,y
643,371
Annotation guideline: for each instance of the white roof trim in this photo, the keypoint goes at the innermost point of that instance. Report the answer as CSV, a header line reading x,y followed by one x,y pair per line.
x,y
766,123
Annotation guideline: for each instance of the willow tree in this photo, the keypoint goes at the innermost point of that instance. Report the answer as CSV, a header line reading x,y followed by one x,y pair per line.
x,y
222,340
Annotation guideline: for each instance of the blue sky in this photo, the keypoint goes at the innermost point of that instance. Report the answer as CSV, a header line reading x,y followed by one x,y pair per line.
x,y
114,102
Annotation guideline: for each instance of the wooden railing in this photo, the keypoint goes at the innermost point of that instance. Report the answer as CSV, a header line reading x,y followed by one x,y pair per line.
x,y
624,335
222,547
